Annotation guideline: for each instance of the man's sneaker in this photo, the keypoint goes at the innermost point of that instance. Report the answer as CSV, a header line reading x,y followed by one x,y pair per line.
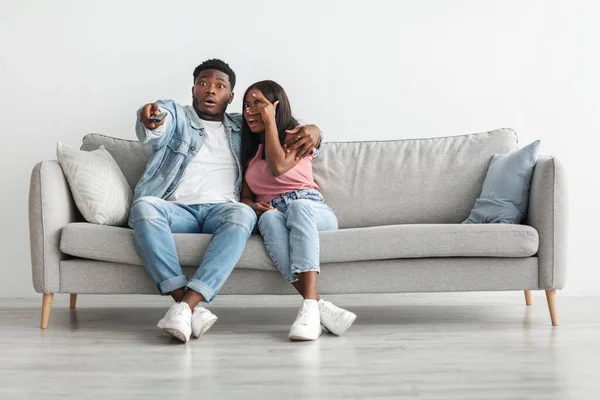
x,y
177,321
335,319
308,323
202,320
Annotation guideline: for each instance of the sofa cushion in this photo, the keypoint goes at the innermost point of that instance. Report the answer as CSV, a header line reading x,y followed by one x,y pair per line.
x,y
105,243
412,181
505,190
130,155
98,186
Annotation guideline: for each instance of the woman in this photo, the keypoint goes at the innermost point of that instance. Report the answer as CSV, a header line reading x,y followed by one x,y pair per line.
x,y
281,190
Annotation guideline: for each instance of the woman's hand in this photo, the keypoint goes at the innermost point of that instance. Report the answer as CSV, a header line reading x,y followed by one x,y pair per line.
x,y
266,109
260,208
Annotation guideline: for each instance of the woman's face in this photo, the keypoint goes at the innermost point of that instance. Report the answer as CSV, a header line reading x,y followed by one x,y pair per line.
x,y
255,122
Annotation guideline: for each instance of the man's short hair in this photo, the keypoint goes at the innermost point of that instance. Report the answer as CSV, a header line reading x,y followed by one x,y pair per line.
x,y
219,65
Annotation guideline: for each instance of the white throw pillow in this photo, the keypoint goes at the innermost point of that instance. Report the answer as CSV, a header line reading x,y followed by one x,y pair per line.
x,y
98,185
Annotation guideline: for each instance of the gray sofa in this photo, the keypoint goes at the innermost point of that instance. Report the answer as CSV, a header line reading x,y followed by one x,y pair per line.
x,y
399,205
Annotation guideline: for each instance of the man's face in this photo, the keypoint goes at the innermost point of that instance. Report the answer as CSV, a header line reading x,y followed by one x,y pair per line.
x,y
211,94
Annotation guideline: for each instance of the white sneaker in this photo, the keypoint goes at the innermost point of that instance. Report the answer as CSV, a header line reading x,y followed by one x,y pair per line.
x,y
177,321
336,320
202,320
307,325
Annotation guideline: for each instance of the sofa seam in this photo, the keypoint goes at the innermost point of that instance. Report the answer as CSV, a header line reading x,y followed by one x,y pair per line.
x,y
512,131
553,223
44,272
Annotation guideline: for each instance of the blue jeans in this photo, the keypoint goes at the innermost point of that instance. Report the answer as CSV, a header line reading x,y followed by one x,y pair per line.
x,y
155,220
290,232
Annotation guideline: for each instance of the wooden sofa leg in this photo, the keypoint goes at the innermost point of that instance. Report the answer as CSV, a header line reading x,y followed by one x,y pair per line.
x,y
46,307
528,300
551,297
73,302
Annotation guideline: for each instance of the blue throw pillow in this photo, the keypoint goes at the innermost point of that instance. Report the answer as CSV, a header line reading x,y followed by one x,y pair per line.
x,y
505,192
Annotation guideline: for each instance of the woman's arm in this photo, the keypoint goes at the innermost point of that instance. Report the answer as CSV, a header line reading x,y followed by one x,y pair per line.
x,y
278,161
248,198
247,195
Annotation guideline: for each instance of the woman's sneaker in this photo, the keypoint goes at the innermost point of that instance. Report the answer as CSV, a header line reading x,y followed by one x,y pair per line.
x,y
177,321
202,320
308,322
336,320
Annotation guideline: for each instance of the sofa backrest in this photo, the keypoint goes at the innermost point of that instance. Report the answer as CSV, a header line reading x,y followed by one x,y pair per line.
x,y
409,181
412,181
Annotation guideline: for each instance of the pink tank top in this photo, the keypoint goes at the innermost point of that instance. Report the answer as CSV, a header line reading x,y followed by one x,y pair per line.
x,y
266,187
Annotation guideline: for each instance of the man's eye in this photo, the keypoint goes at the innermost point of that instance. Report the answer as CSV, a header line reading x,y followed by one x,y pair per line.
x,y
201,83
221,86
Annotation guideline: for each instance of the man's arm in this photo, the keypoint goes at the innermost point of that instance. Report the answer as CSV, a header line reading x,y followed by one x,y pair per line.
x,y
152,133
304,139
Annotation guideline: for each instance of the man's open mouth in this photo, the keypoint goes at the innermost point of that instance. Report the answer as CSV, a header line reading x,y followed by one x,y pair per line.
x,y
209,101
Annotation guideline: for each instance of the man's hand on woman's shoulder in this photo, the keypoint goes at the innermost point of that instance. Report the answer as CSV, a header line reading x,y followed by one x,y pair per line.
x,y
304,138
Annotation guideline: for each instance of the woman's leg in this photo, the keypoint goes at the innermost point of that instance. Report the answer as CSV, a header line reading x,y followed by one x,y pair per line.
x,y
275,233
304,219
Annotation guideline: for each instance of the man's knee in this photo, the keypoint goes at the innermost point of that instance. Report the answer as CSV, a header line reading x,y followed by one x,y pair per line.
x,y
144,208
241,214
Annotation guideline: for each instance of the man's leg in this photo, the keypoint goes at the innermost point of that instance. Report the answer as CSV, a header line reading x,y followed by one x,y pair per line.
x,y
154,221
231,224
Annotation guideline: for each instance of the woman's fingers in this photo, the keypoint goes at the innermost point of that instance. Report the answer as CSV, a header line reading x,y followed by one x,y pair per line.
x,y
257,109
260,97
265,206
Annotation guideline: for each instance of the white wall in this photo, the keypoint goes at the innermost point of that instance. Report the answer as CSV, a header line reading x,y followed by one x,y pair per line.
x,y
384,70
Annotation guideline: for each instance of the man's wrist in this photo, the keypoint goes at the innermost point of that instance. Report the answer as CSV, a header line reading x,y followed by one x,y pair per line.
x,y
318,144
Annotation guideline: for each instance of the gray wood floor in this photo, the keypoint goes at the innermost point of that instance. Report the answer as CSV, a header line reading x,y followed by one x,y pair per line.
x,y
434,346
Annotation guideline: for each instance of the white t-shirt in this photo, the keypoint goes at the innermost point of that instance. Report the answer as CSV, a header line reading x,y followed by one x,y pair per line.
x,y
211,176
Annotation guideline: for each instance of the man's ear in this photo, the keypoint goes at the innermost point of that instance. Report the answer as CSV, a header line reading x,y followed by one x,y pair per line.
x,y
193,92
231,95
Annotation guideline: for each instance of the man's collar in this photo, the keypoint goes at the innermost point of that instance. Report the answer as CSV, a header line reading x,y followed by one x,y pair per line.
x,y
197,123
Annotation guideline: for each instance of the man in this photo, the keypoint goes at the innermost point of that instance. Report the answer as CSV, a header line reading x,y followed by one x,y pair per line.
x,y
192,184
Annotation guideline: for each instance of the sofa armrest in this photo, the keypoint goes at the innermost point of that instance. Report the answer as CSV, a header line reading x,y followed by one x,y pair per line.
x,y
51,207
547,213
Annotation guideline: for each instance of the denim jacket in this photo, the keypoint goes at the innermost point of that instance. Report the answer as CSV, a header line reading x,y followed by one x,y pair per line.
x,y
175,145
